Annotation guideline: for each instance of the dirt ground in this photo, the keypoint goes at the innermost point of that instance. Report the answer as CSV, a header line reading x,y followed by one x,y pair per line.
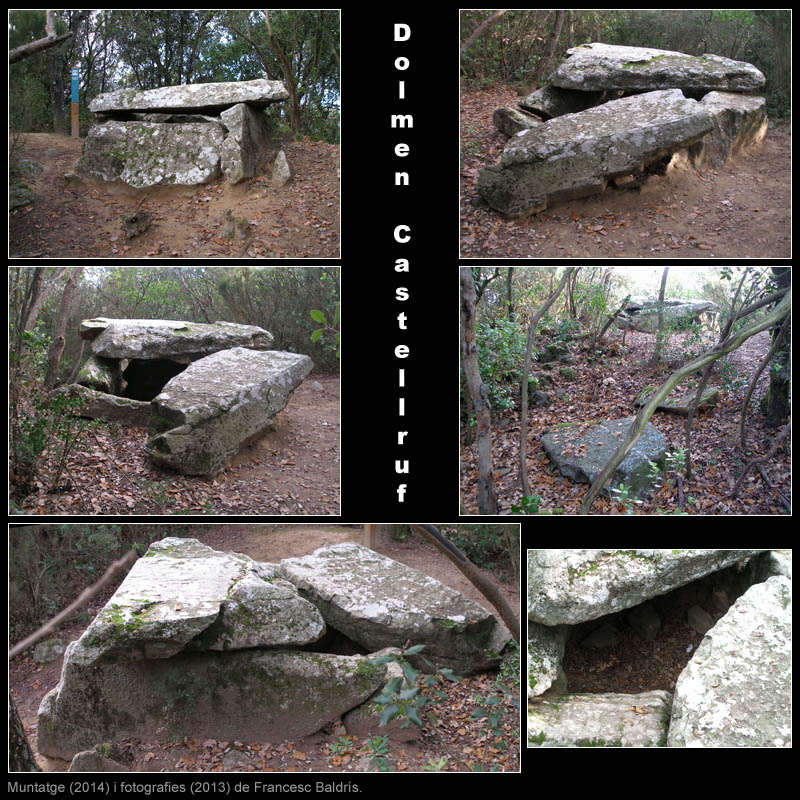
x,y
606,390
742,210
82,220
464,744
294,468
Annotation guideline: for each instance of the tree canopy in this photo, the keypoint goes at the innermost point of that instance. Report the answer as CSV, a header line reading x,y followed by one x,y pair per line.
x,y
122,48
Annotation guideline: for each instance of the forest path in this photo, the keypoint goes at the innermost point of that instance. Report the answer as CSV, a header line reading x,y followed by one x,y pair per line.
x,y
456,737
742,210
82,220
294,468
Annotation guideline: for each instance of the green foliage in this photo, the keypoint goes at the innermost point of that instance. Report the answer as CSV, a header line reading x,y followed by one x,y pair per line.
x,y
401,697
148,48
331,329
501,350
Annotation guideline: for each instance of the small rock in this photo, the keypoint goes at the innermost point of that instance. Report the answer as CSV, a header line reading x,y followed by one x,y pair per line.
x,y
700,619
604,636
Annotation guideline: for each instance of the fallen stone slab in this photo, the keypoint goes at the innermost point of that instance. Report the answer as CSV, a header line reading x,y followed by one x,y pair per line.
x,y
567,587
679,401
740,125
144,154
379,603
551,101
198,97
172,339
513,120
600,720
598,66
202,416
252,695
581,451
94,761
737,689
575,155
643,316
102,405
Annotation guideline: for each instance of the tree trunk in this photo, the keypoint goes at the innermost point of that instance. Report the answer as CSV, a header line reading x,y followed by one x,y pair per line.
x,y
732,343
483,584
480,29
20,757
545,61
523,421
660,332
57,345
487,498
776,402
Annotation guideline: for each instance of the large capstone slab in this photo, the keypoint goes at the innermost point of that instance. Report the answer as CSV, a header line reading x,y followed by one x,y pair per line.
x,y
600,720
172,339
379,603
196,97
737,689
202,416
598,66
581,452
576,154
183,594
573,586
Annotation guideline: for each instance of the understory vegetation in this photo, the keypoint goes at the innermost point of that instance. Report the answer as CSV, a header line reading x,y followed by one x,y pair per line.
x,y
589,364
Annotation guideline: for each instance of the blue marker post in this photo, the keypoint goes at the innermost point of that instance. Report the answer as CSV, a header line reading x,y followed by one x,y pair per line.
x,y
75,75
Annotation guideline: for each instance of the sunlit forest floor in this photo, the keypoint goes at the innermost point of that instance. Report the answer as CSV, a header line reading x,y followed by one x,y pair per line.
x,y
606,390
742,210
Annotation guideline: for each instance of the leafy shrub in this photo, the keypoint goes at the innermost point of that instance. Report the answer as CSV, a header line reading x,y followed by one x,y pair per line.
x,y
501,350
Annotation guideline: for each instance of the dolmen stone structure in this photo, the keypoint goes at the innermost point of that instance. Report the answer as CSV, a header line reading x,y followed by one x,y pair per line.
x,y
182,135
201,643
735,690
642,314
611,112
581,451
201,389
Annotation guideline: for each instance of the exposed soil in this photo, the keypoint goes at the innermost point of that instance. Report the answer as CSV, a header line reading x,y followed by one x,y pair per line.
x,y
83,219
293,468
606,389
462,743
635,664
742,210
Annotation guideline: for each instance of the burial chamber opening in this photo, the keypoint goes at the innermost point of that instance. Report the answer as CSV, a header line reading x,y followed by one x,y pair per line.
x,y
143,379
647,646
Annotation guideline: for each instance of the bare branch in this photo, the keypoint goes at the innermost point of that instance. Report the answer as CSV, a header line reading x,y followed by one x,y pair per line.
x,y
83,598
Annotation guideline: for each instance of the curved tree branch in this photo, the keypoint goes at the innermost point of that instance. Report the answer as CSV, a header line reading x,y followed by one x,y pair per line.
x,y
483,584
723,348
